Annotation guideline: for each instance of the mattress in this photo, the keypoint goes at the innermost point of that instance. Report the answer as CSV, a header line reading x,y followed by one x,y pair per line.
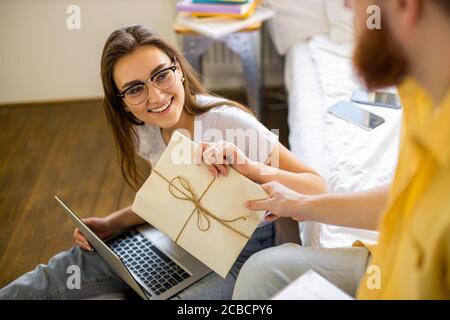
x,y
318,74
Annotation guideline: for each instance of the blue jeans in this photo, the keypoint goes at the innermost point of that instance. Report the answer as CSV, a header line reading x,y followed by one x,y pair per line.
x,y
97,278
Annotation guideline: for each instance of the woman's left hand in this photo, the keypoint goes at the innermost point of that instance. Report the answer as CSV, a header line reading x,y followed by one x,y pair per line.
x,y
219,155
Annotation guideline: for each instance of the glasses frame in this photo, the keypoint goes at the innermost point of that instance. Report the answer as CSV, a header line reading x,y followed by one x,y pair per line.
x,y
172,68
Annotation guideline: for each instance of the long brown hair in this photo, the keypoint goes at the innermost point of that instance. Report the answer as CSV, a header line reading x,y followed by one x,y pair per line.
x,y
445,4
123,124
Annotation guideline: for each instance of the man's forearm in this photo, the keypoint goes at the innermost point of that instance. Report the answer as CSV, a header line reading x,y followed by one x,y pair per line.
x,y
360,210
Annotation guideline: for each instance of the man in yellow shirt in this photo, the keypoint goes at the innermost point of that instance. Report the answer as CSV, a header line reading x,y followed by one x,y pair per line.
x,y
412,258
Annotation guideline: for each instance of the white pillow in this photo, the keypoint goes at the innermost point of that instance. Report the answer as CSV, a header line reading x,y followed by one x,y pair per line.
x,y
341,21
295,21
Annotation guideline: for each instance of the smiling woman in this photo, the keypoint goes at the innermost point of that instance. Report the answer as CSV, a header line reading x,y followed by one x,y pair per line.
x,y
146,99
132,55
150,91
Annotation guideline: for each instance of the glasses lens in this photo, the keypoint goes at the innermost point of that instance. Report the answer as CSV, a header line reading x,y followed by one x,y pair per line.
x,y
164,79
136,94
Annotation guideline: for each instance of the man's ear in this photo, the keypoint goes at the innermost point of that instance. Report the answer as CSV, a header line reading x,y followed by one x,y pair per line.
x,y
404,16
416,8
409,11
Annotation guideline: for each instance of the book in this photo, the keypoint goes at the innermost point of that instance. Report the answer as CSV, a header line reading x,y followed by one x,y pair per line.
x,y
239,10
311,286
217,27
220,1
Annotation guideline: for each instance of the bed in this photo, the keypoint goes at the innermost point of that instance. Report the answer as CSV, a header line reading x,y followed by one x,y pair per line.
x,y
318,73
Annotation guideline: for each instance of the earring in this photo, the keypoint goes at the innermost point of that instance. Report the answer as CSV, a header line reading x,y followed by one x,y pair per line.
x,y
182,79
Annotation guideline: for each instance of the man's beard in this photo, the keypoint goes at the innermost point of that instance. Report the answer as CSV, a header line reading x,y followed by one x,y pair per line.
x,y
378,59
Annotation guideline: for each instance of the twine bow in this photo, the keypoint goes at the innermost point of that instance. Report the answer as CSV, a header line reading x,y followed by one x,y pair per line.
x,y
203,214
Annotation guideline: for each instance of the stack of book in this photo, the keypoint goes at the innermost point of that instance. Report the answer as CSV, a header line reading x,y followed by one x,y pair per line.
x,y
225,8
218,18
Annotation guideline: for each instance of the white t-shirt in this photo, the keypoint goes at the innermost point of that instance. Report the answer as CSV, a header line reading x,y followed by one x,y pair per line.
x,y
220,123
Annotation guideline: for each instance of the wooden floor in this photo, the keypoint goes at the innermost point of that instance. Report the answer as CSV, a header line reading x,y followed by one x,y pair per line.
x,y
64,149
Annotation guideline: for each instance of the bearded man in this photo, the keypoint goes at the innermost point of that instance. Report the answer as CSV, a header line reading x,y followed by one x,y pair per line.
x,y
412,257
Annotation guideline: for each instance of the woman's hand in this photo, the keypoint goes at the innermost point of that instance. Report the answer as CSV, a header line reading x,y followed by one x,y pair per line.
x,y
219,155
283,202
102,227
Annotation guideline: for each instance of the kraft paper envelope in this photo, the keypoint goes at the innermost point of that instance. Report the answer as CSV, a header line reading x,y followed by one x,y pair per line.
x,y
216,229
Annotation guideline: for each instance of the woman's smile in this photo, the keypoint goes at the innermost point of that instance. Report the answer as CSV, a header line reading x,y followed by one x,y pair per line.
x,y
162,109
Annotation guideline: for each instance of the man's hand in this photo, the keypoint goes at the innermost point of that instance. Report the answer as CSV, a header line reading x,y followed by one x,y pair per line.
x,y
283,202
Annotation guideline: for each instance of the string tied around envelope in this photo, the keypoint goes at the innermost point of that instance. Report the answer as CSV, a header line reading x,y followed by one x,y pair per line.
x,y
203,214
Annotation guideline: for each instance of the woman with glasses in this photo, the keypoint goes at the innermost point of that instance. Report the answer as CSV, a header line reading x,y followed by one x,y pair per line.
x,y
151,91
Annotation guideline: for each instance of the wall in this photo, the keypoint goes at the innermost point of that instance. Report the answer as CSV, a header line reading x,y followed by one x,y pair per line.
x,y
42,60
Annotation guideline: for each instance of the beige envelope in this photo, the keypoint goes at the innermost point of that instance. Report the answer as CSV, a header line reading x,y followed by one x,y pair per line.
x,y
216,243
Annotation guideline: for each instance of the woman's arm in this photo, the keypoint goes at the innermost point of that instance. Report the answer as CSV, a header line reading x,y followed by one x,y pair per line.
x,y
108,226
124,218
286,169
283,167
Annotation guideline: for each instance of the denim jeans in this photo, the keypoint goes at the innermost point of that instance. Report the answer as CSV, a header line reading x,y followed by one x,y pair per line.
x,y
97,278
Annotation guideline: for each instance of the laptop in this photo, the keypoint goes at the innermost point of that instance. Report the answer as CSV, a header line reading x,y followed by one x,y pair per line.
x,y
146,259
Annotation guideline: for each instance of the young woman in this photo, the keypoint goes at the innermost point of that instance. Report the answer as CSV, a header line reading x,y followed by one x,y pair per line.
x,y
151,91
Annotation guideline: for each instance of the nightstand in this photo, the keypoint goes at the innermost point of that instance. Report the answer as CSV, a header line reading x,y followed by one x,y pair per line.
x,y
246,43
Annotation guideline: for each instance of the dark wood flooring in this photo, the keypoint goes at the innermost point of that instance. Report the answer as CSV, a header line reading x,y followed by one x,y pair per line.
x,y
64,149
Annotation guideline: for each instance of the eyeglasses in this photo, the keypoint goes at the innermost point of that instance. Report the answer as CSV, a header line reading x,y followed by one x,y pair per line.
x,y
138,93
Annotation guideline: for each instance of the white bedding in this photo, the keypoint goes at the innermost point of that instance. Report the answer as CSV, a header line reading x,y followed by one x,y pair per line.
x,y
318,74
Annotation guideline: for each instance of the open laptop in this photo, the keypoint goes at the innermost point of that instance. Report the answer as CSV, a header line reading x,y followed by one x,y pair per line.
x,y
146,259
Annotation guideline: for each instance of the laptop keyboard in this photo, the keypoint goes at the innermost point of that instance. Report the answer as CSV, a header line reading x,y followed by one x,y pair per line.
x,y
147,262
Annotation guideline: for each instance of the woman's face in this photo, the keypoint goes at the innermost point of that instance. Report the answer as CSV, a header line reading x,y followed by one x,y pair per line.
x,y
163,105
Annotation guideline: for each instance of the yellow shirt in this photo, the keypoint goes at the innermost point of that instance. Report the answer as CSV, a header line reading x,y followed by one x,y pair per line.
x,y
412,258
